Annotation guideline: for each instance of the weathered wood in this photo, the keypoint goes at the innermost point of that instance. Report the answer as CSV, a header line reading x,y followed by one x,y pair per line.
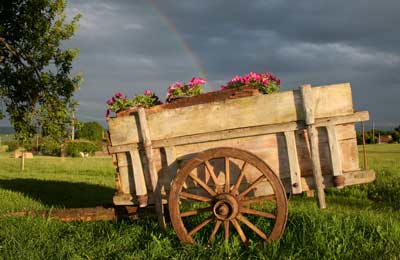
x,y
85,214
148,147
123,130
335,151
122,148
144,129
351,178
248,111
138,176
258,130
127,186
308,106
293,162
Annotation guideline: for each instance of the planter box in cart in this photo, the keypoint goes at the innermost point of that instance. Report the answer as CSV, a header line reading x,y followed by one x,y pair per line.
x,y
224,163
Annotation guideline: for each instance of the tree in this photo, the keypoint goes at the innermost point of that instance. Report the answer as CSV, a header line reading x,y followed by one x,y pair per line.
x,y
92,131
36,85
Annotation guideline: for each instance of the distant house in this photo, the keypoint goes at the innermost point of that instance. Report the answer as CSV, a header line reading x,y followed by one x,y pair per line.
x,y
385,139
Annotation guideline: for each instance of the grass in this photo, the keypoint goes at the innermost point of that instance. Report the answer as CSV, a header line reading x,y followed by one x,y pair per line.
x,y
361,222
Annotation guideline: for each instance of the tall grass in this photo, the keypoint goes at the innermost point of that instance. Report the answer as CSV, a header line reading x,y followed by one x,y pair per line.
x,y
361,222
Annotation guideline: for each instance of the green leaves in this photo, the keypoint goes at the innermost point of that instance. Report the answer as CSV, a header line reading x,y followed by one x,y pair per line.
x,y
36,85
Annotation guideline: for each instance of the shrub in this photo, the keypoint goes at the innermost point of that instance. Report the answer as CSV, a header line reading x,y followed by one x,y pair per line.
x,y
50,147
12,145
74,148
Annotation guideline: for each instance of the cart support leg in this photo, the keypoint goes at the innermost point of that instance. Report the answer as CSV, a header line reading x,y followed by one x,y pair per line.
x,y
308,106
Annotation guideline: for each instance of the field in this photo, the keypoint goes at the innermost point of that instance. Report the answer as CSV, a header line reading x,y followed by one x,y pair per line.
x,y
361,222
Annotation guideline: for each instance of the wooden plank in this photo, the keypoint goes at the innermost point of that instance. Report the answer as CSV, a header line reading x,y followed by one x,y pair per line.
x,y
335,151
293,163
308,105
227,134
138,175
351,178
144,128
259,130
126,185
171,167
122,148
332,100
248,111
151,167
123,130
340,120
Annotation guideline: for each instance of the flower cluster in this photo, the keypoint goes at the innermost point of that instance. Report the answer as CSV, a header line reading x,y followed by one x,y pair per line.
x,y
120,102
266,83
117,103
147,99
193,88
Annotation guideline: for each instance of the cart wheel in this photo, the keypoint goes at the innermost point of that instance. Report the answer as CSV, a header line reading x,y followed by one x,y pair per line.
x,y
227,187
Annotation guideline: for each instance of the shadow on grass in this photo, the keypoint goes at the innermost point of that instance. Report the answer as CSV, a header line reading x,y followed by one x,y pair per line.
x,y
61,193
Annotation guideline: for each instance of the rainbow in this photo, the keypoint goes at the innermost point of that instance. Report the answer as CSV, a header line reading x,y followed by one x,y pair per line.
x,y
171,26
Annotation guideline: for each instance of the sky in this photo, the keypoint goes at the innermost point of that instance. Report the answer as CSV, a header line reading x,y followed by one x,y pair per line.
x,y
131,46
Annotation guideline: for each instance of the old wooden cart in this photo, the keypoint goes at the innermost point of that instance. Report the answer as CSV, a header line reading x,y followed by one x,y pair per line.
x,y
230,158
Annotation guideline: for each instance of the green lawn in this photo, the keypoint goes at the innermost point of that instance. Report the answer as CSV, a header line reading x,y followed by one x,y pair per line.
x,y
361,222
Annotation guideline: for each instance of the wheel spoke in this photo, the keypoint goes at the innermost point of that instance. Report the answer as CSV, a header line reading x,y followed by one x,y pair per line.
x,y
226,230
252,226
213,176
227,175
239,179
258,199
214,232
187,195
200,226
258,213
195,212
203,185
252,186
240,231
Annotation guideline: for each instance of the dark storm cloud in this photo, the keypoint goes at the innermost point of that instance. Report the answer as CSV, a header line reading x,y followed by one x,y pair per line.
x,y
130,46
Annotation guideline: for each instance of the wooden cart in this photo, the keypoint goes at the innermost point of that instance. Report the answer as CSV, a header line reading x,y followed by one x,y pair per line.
x,y
230,158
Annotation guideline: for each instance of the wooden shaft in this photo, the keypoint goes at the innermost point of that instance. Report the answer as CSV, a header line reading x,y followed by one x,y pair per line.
x,y
363,142
151,169
316,165
308,106
148,147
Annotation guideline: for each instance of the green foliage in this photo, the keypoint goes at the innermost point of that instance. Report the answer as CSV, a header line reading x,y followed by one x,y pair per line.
x,y
50,147
355,225
146,100
73,149
118,102
12,145
36,86
92,131
191,89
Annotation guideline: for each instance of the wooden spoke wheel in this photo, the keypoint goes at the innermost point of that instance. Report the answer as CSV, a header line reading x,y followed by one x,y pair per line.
x,y
223,191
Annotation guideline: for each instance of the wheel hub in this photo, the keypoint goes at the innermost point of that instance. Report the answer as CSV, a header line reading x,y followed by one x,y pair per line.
x,y
226,207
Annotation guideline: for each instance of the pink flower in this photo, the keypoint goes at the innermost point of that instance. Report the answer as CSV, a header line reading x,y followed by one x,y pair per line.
x,y
118,94
148,92
110,101
171,88
223,87
196,81
178,85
